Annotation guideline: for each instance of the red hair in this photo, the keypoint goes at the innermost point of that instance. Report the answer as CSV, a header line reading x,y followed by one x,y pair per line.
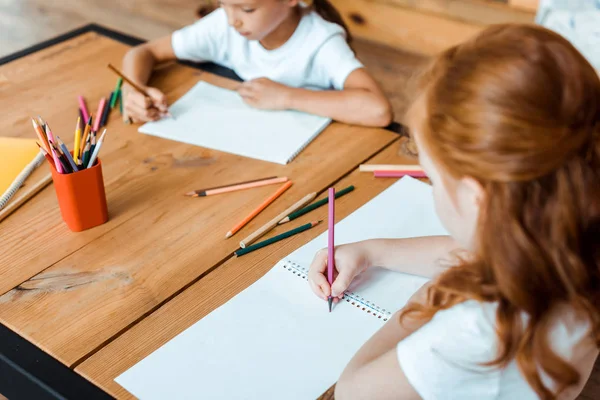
x,y
518,109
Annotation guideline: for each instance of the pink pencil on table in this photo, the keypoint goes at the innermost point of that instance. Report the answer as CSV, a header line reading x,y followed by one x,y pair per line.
x,y
331,243
399,174
83,108
99,114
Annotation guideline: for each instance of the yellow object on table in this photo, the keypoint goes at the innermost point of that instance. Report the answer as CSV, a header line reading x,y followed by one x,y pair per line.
x,y
15,155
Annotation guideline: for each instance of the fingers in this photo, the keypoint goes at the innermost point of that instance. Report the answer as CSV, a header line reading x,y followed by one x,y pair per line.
x,y
341,282
157,99
142,108
316,275
246,90
138,99
141,114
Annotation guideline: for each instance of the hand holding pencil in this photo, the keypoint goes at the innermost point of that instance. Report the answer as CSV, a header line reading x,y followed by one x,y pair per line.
x,y
142,108
350,261
142,103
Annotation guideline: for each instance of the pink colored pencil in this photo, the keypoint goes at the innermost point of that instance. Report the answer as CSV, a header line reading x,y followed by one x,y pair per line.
x,y
57,163
331,242
399,174
99,114
83,108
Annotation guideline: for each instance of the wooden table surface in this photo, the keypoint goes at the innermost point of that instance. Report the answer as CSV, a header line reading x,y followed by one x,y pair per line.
x,y
79,296
229,279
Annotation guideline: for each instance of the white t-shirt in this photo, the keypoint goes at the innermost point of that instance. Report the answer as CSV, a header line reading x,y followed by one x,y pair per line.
x,y
442,359
315,56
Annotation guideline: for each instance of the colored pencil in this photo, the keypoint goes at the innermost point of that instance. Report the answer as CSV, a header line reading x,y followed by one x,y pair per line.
x,y
99,114
375,167
120,100
48,157
83,108
62,158
42,123
315,205
49,133
237,186
77,139
258,209
92,142
96,150
59,161
67,154
331,242
41,135
195,193
132,84
86,154
275,239
86,132
117,90
273,223
399,174
129,81
106,111
51,151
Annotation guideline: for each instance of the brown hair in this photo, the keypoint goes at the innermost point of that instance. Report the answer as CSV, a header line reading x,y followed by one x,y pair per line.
x,y
518,109
322,7
329,13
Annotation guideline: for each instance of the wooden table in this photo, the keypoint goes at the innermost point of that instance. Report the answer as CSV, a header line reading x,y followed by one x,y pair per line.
x,y
90,298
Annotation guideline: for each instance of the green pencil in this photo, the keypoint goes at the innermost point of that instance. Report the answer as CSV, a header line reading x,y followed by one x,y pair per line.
x,y
274,239
113,101
313,206
120,100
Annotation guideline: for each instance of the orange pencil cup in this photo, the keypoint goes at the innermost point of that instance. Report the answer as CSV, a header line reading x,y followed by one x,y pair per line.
x,y
81,197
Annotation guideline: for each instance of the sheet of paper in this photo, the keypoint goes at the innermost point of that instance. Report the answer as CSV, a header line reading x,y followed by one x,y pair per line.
x,y
218,119
276,339
403,210
269,342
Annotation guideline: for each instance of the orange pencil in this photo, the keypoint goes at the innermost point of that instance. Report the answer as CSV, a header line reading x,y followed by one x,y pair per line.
x,y
86,132
41,135
254,213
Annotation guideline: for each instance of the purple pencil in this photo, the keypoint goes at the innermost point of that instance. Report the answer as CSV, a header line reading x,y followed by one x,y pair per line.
x,y
331,242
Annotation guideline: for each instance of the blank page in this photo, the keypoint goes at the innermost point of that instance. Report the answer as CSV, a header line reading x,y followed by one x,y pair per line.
x,y
218,119
403,210
276,339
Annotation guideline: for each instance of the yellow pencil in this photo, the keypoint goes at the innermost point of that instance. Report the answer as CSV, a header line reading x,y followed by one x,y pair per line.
x,y
77,140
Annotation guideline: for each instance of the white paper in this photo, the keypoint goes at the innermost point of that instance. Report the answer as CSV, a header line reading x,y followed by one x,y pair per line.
x,y
218,119
276,339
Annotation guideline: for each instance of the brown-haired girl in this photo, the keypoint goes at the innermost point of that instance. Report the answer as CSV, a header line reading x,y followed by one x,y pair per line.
x,y
508,130
291,54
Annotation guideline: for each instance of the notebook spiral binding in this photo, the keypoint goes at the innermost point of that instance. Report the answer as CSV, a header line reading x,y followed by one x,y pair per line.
x,y
20,179
309,141
350,297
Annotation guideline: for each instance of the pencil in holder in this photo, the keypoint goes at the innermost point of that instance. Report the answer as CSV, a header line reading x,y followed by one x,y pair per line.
x,y
81,197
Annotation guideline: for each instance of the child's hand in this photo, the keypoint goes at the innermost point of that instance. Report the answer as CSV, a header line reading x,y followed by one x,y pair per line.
x,y
266,94
350,260
143,109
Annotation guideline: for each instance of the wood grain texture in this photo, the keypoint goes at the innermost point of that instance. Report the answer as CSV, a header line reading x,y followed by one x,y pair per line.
x,y
225,282
404,28
70,293
471,11
529,5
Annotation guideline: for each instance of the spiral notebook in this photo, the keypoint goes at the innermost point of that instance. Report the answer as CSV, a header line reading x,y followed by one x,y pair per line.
x,y
276,339
218,119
